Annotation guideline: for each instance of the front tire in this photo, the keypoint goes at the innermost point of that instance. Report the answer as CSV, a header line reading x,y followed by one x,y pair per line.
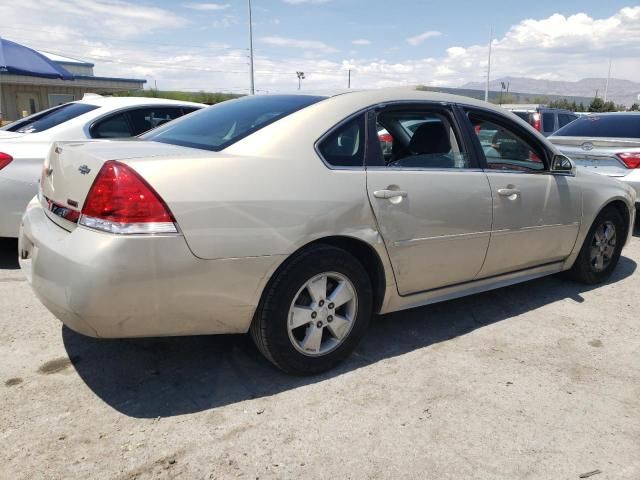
x,y
601,249
314,311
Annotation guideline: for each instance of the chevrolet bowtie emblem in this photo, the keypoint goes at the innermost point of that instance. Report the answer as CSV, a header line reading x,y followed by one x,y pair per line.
x,y
84,169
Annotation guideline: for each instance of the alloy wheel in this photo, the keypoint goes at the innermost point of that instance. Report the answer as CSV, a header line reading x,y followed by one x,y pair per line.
x,y
603,246
322,314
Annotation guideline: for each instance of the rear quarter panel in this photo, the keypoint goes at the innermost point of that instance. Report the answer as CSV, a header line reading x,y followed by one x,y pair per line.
x,y
268,194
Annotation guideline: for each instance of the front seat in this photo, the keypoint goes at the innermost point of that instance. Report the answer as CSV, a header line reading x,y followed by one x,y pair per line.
x,y
429,148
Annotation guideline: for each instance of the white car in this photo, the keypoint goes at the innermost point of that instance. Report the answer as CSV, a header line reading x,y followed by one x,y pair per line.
x,y
25,143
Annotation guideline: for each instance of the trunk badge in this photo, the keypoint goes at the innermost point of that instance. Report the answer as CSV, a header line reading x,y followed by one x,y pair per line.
x,y
84,169
587,146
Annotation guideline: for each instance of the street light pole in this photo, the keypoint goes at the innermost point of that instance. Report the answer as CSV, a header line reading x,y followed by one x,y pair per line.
x,y
486,90
606,86
252,89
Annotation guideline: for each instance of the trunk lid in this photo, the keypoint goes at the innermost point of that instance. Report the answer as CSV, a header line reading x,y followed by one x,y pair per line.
x,y
70,169
598,154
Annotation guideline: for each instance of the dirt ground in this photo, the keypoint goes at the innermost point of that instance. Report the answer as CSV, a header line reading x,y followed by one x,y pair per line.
x,y
535,381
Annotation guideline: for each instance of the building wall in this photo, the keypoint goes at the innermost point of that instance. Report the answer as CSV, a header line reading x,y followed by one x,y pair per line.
x,y
10,96
42,89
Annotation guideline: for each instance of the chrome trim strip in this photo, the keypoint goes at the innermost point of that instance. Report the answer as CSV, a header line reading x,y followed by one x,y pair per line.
x,y
403,243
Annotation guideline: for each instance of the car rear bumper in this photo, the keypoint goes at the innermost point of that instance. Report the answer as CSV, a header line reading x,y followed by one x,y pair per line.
x,y
104,285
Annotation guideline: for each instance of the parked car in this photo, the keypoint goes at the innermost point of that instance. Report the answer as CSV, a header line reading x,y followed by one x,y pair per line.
x,y
25,143
605,143
279,215
544,119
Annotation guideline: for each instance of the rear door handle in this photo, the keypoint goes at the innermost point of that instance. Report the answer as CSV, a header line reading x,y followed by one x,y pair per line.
x,y
508,192
388,194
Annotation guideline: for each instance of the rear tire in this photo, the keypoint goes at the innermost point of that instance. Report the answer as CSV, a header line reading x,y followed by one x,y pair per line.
x,y
601,249
314,311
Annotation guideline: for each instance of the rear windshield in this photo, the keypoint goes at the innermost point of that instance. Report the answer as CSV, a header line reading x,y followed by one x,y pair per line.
x,y
39,122
609,126
217,127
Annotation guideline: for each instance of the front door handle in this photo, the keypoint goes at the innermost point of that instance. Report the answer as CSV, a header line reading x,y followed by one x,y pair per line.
x,y
509,191
388,194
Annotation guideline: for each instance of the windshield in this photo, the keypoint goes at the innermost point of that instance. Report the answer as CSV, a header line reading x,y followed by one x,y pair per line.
x,y
607,126
39,122
217,127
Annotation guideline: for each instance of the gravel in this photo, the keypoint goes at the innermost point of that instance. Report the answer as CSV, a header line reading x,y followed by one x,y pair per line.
x,y
536,381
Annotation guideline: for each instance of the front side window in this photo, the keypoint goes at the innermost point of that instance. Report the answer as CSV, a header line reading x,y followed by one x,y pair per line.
x,y
503,148
344,147
221,125
115,126
50,118
419,139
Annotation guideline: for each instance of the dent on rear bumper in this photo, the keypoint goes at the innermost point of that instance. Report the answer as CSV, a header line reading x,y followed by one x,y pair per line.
x,y
105,285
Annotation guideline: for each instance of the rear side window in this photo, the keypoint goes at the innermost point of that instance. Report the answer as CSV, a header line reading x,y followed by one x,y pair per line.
x,y
50,118
115,126
421,139
221,125
610,126
548,122
344,147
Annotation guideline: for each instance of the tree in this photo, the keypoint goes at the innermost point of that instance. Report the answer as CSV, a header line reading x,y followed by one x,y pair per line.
x,y
597,105
581,108
635,107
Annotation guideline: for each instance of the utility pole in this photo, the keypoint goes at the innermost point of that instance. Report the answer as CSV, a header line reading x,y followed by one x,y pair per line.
x,y
606,86
349,81
252,89
486,90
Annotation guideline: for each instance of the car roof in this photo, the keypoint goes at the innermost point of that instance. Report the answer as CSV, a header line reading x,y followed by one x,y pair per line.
x,y
115,102
389,95
612,114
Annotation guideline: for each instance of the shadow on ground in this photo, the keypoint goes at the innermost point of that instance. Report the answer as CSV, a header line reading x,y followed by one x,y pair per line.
x,y
9,253
173,376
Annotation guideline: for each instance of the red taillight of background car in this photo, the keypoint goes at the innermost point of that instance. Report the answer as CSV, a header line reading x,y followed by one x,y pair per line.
x,y
631,160
121,201
385,137
535,121
5,159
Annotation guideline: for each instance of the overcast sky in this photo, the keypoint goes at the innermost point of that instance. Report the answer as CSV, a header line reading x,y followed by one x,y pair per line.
x,y
204,46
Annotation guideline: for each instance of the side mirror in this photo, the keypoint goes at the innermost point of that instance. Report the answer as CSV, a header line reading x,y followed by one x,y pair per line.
x,y
563,164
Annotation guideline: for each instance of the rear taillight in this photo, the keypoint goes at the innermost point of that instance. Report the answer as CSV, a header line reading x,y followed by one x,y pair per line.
x,y
535,121
5,159
121,201
631,160
385,137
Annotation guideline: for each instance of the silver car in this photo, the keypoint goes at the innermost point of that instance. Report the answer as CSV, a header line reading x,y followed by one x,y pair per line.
x,y
605,143
281,216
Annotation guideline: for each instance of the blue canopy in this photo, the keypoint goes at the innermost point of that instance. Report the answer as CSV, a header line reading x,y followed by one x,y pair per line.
x,y
20,60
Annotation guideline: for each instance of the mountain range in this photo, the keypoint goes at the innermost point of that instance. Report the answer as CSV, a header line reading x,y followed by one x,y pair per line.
x,y
620,91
